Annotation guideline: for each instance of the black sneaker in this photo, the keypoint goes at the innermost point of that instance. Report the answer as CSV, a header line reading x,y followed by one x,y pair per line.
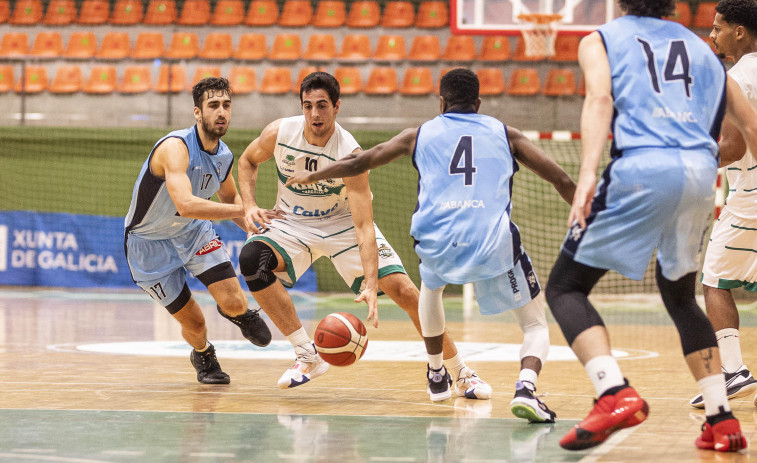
x,y
207,366
439,384
526,405
738,384
254,328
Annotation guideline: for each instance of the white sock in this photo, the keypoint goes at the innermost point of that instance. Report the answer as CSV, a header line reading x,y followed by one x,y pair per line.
x,y
435,361
454,365
207,346
730,349
529,375
714,394
604,373
299,337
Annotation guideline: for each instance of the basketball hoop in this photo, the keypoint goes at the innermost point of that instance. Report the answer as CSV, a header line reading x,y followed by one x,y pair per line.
x,y
540,33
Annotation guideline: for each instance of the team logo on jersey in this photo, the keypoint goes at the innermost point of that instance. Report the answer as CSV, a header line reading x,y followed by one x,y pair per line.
x,y
385,251
322,188
288,160
210,247
514,285
531,279
575,232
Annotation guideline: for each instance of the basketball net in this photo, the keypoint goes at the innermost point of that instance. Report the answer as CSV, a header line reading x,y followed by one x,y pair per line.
x,y
540,33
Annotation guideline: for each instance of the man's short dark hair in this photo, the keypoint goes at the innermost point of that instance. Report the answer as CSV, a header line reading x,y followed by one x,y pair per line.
x,y
739,13
322,81
651,8
459,87
216,84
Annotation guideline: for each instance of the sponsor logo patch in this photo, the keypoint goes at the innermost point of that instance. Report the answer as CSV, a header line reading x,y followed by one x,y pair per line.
x,y
210,247
385,251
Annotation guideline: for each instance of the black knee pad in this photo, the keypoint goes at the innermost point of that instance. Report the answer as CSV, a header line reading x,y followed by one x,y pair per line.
x,y
257,262
694,328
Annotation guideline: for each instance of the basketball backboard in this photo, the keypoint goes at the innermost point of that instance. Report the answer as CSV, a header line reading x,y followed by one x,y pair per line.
x,y
500,17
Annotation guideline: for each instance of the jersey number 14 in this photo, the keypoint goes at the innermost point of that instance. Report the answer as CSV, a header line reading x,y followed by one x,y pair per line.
x,y
677,53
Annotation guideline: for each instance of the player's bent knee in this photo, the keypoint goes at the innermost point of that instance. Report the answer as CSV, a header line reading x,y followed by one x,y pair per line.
x,y
257,262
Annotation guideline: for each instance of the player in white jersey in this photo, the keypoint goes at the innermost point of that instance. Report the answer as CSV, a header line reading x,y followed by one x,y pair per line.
x,y
468,159
332,219
731,258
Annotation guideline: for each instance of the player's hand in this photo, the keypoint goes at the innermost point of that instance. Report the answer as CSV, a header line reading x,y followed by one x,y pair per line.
x,y
581,206
256,219
302,178
370,297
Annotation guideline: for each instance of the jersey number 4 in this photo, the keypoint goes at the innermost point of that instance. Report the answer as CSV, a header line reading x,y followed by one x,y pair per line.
x,y
677,53
463,153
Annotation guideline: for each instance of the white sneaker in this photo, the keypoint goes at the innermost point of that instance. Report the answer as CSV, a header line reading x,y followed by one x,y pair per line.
x,y
309,365
738,384
470,386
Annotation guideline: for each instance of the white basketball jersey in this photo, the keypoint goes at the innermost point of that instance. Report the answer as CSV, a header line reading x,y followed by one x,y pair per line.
x,y
326,198
742,174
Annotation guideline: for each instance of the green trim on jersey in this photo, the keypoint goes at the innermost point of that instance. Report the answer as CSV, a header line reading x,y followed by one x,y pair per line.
x,y
740,249
284,255
306,152
743,228
313,190
383,271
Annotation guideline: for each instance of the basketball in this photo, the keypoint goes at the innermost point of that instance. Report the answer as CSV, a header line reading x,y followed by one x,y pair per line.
x,y
341,339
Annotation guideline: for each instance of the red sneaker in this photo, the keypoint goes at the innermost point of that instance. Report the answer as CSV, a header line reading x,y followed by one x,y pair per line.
x,y
610,413
724,437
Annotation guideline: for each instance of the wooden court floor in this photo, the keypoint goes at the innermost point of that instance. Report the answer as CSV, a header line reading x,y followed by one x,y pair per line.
x,y
59,403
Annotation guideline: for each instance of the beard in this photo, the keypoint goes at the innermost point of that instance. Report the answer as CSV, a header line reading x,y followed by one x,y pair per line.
x,y
211,129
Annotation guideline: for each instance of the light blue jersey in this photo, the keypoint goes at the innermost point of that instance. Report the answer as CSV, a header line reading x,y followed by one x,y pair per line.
x,y
462,221
668,86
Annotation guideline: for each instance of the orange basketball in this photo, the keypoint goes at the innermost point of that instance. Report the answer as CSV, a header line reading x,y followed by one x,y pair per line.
x,y
341,339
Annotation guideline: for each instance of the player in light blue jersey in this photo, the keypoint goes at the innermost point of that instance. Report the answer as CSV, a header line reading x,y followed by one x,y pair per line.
x,y
168,230
466,162
664,93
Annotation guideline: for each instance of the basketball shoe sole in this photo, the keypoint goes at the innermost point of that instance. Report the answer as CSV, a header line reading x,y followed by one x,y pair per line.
x,y
725,436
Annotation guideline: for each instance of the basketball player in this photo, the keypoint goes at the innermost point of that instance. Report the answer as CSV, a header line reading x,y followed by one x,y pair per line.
x,y
333,219
730,261
462,226
168,229
665,94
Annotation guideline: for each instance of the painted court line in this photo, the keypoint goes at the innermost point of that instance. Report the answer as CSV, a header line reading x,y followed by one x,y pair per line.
x,y
615,440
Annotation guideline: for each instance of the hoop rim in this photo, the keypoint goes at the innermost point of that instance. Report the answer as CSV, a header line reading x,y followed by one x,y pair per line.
x,y
540,18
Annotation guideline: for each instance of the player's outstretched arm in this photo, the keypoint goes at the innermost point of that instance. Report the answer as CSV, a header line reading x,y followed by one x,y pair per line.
x,y
228,194
258,151
357,163
171,161
542,165
732,145
740,114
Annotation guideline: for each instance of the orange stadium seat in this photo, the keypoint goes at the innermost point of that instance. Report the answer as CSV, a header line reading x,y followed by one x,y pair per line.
x,y
184,45
26,12
381,81
5,11
296,13
194,13
705,15
178,79
94,12
491,81
390,48
68,79
47,45
350,80
417,81
102,80
425,48
682,14
60,13
251,47
432,14
35,81
399,14
355,47
228,13
276,80
160,12
286,47
149,45
262,13
330,13
202,72
495,48
321,47
14,44
115,45
566,48
560,82
126,13
524,81
6,78
242,79
460,48
364,14
81,45
136,79
217,45
304,72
